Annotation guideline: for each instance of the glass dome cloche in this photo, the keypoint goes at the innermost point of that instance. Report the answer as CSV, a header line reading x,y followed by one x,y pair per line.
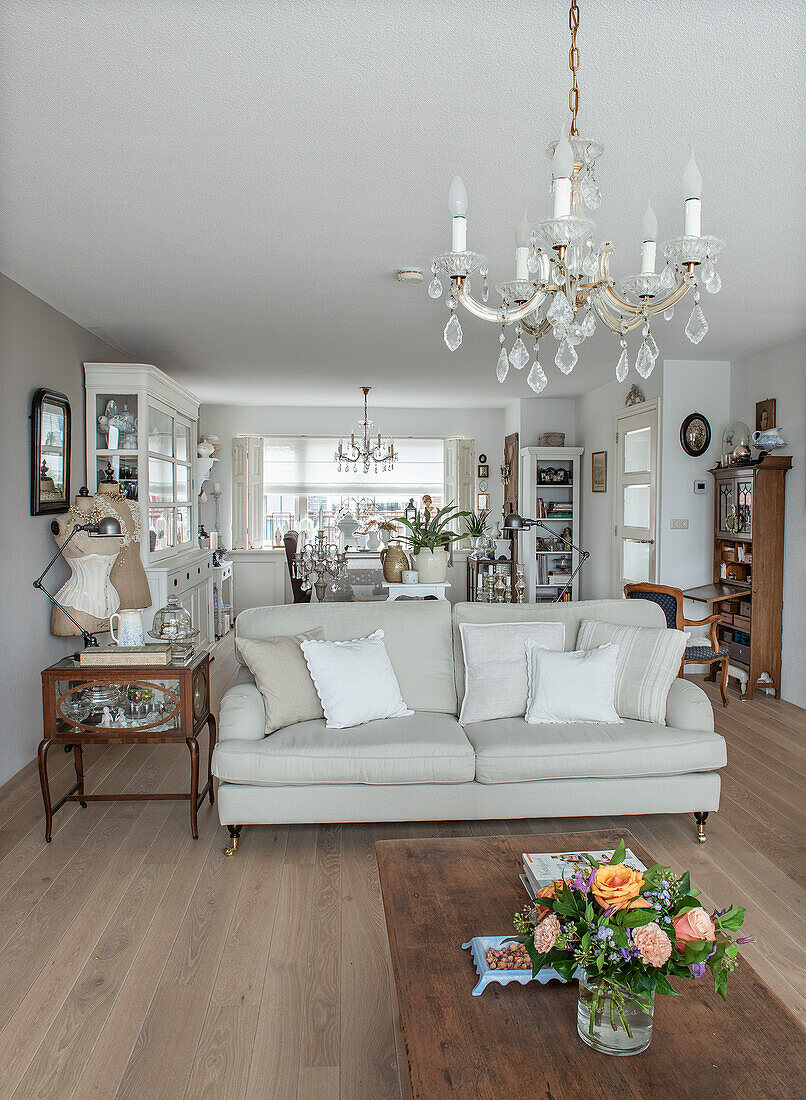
x,y
173,624
736,444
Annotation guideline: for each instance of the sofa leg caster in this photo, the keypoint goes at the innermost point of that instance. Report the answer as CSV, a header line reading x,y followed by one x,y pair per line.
x,y
701,817
234,834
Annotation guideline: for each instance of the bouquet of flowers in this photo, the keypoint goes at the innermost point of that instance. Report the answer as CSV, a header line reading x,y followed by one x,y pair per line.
x,y
629,932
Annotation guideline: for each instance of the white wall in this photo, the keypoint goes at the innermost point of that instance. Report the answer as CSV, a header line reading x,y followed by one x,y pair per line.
x,y
780,372
683,386
485,426
686,557
39,347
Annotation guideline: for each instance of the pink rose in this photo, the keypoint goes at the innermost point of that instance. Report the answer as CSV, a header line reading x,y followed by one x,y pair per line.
x,y
653,943
546,934
694,925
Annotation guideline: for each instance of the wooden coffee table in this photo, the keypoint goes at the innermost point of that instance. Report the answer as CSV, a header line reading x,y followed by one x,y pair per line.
x,y
521,1041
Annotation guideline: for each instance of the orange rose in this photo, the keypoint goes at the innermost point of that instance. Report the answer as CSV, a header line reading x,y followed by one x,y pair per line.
x,y
694,925
616,886
549,891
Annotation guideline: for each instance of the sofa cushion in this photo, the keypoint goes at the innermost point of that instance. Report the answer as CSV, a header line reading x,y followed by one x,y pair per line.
x,y
426,748
510,751
417,636
629,612
282,676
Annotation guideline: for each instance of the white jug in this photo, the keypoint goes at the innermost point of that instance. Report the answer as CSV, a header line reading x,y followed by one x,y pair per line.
x,y
130,628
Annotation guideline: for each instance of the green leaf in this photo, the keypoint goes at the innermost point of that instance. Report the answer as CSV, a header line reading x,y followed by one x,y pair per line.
x,y
733,919
619,854
664,986
721,983
698,951
635,918
684,884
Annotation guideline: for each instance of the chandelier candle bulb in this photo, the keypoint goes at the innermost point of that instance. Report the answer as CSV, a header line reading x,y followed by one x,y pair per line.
x,y
457,204
649,233
692,198
522,242
563,166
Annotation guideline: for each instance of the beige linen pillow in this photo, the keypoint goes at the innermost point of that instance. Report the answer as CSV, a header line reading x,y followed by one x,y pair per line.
x,y
648,662
281,673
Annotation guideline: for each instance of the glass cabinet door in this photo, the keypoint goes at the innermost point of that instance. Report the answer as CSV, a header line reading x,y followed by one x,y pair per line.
x,y
744,506
726,505
142,704
170,482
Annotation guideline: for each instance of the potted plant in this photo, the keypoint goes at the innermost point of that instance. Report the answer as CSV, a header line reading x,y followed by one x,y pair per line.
x,y
428,535
476,526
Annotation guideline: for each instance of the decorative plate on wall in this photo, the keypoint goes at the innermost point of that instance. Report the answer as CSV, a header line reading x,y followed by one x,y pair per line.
x,y
695,434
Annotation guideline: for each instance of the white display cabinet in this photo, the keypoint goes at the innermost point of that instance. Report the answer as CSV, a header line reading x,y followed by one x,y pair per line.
x,y
550,491
145,425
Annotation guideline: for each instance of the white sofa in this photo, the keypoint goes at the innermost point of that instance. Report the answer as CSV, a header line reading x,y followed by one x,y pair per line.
x,y
428,767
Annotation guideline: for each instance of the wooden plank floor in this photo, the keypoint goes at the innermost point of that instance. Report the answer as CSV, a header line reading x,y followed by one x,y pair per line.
x,y
139,963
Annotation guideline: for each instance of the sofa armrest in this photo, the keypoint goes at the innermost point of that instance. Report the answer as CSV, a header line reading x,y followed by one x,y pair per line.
x,y
242,716
688,707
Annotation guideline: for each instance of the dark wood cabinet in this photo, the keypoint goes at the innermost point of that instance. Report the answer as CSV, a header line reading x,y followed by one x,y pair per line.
x,y
124,705
749,560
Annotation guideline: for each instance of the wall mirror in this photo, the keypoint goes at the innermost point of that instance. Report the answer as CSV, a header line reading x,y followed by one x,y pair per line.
x,y
50,453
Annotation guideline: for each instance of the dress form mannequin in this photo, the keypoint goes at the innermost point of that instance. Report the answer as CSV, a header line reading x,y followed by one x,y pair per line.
x,y
128,575
88,595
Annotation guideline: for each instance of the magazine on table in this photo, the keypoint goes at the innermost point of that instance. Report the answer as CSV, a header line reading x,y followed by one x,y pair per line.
x,y
541,868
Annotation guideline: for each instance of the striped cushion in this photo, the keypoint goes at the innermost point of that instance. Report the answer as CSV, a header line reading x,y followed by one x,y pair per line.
x,y
648,662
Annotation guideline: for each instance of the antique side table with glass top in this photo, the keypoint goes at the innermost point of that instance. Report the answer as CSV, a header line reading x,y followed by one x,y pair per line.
x,y
120,705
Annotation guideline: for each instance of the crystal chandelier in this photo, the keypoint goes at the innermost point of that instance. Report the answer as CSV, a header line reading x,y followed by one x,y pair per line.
x,y
317,563
559,267
380,452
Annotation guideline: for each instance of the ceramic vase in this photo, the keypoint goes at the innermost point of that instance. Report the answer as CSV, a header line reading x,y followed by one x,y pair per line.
x,y
129,628
394,561
432,565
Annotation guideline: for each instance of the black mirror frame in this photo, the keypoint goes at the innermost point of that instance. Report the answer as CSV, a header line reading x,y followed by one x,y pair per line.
x,y
53,397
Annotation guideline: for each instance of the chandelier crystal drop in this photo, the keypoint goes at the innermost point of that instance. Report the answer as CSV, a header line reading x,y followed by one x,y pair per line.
x,y
369,452
559,264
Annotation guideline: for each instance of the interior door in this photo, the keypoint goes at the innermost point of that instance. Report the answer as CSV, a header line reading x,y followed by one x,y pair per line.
x,y
635,495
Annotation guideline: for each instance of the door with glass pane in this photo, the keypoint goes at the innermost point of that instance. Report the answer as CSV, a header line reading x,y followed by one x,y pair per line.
x,y
635,495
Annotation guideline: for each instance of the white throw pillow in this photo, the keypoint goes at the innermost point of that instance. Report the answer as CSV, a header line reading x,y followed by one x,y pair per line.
x,y
495,666
571,687
648,662
355,681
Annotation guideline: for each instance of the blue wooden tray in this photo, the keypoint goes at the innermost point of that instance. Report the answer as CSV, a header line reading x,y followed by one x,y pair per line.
x,y
478,949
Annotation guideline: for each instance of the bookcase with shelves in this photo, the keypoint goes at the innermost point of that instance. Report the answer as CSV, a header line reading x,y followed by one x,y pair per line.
x,y
551,481
748,564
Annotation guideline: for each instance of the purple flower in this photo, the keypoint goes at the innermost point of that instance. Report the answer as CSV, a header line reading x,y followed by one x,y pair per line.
x,y
697,969
578,882
746,939
719,912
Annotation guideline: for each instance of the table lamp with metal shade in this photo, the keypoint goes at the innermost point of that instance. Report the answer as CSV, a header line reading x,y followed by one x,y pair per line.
x,y
514,523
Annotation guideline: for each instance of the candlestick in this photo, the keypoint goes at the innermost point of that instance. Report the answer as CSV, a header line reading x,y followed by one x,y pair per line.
x,y
457,204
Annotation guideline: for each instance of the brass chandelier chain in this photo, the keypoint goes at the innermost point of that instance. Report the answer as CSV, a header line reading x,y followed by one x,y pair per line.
x,y
573,65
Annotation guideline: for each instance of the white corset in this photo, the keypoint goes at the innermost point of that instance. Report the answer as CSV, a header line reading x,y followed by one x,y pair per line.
x,y
88,588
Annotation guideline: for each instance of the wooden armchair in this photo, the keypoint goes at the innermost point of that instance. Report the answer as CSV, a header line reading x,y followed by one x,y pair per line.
x,y
670,601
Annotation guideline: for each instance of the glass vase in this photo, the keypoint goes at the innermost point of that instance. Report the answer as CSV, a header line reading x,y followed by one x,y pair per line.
x,y
613,1022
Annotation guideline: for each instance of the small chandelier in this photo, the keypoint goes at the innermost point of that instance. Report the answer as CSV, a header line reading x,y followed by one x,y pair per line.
x,y
380,452
558,266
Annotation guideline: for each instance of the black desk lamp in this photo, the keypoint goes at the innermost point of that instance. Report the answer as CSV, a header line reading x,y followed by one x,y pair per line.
x,y
514,522
106,527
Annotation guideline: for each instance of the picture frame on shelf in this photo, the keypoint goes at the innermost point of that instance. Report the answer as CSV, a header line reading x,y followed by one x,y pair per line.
x,y
51,425
599,472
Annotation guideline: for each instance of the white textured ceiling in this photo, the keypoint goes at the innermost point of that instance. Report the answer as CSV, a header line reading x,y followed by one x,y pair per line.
x,y
225,188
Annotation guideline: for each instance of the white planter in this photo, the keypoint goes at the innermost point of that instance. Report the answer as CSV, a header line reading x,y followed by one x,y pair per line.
x,y
432,565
